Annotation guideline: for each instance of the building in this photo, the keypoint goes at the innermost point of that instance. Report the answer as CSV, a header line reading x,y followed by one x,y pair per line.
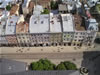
x,y
92,3
55,30
68,28
39,29
10,31
66,72
83,36
62,8
25,7
3,19
14,10
51,29
44,3
22,29
11,66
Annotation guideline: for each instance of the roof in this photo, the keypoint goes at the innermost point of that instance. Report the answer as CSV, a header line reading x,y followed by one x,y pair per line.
x,y
3,14
67,21
37,10
14,9
11,24
93,25
22,27
39,24
26,3
55,24
2,27
78,23
31,6
62,7
4,4
11,66
63,72
3,18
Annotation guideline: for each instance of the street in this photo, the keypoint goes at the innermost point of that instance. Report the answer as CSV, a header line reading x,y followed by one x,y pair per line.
x,y
75,55
89,59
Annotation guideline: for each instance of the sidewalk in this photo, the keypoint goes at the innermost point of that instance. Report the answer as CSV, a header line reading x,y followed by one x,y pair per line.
x,y
52,49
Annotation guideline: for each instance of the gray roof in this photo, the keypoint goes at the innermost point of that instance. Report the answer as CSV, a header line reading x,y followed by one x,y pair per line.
x,y
64,72
11,66
62,7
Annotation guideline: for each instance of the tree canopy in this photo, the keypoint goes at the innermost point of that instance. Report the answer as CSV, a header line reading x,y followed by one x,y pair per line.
x,y
54,5
8,7
46,11
44,64
66,65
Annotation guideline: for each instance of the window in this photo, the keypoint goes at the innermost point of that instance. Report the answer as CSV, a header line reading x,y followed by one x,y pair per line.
x,y
75,36
35,22
19,37
23,37
75,40
76,33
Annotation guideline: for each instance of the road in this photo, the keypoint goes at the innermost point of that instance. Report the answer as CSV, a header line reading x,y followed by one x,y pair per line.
x,y
86,59
77,55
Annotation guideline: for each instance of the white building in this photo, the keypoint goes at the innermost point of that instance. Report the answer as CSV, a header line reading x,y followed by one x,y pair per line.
x,y
55,23
11,25
3,19
92,3
25,7
72,4
68,28
37,10
39,24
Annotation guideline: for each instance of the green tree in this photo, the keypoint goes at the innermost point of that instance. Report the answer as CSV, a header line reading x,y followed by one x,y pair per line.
x,y
34,66
42,64
8,7
46,11
69,65
54,5
61,66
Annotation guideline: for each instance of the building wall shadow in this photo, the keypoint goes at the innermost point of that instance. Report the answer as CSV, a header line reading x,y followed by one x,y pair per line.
x,y
91,61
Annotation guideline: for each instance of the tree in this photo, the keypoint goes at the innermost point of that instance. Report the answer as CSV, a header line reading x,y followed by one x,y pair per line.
x,y
70,66
42,64
34,66
8,7
61,66
54,5
46,11
66,66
